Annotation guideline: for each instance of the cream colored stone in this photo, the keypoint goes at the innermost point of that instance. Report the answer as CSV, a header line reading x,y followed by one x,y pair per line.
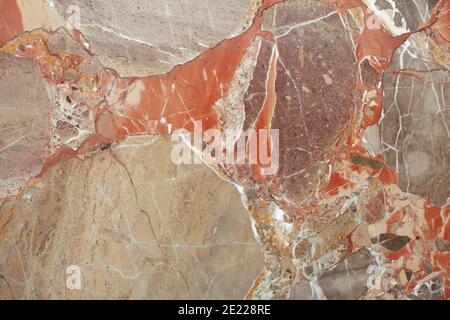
x,y
137,226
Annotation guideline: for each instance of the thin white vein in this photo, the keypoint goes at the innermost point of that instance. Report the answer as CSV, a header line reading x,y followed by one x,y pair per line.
x,y
306,23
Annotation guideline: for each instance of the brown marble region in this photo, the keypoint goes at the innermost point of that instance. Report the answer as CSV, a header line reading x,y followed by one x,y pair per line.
x,y
24,122
137,225
415,123
349,99
314,85
139,38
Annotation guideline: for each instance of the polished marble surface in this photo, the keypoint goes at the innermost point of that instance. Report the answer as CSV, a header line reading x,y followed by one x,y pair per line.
x,y
93,93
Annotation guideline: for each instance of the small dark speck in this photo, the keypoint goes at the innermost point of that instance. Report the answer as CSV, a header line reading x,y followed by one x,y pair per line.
x,y
105,146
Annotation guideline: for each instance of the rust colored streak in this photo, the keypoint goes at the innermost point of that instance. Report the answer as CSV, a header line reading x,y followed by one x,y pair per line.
x,y
415,74
267,4
265,118
336,181
388,176
442,26
442,259
446,212
434,221
66,153
377,42
10,20
63,154
185,94
259,279
188,92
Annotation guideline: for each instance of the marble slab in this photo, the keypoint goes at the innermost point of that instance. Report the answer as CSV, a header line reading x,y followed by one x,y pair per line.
x,y
134,139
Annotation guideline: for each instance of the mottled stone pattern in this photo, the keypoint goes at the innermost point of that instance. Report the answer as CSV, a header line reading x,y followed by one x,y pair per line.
x,y
136,225
256,92
402,16
347,281
315,89
95,205
151,37
24,104
415,124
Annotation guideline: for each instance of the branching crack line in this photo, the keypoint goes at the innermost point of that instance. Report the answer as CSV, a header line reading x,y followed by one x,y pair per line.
x,y
114,156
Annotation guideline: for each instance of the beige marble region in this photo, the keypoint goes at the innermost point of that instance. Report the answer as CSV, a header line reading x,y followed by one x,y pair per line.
x,y
137,226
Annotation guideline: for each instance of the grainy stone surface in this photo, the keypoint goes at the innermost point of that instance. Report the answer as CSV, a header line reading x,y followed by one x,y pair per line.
x,y
24,104
332,181
137,226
